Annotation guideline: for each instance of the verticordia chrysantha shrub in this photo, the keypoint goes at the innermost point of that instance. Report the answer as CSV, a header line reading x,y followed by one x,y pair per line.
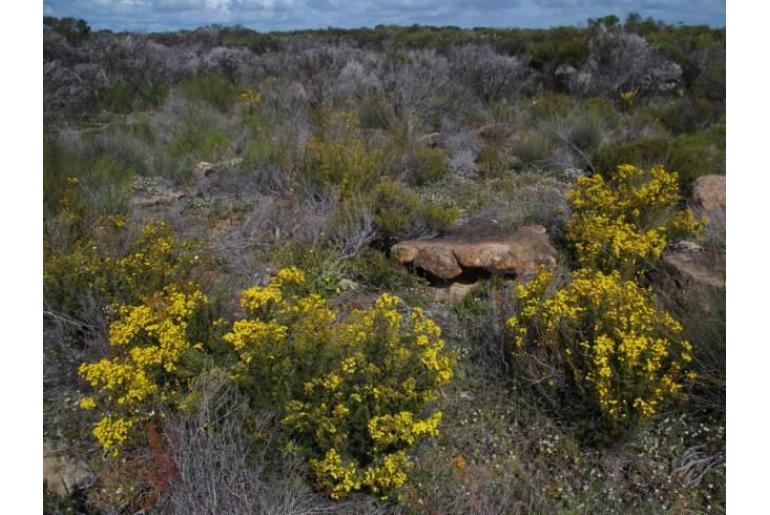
x,y
355,389
148,344
623,354
625,221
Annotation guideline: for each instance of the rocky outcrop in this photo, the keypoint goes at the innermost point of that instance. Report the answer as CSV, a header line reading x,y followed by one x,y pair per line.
x,y
480,248
709,192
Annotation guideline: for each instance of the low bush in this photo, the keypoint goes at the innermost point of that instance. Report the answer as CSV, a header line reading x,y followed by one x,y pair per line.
x,y
603,340
428,165
342,164
150,345
399,213
355,389
114,268
212,88
624,222
693,155
125,97
643,153
199,137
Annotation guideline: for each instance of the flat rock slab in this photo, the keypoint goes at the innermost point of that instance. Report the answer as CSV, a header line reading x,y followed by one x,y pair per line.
x,y
479,247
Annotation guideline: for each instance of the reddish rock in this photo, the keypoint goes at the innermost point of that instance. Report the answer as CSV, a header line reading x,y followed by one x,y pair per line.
x,y
479,247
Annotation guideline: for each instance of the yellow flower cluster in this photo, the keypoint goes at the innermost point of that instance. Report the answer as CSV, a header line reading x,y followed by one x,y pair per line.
x,y
257,297
625,350
149,341
252,99
152,260
625,221
353,388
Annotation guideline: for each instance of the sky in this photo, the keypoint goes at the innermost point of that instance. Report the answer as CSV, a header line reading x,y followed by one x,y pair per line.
x,y
267,15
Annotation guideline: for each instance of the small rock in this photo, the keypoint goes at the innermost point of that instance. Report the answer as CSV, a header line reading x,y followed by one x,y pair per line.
x,y
157,195
709,192
203,171
348,285
695,266
62,473
456,292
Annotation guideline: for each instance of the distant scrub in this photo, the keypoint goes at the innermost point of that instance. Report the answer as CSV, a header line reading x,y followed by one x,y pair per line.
x,y
212,88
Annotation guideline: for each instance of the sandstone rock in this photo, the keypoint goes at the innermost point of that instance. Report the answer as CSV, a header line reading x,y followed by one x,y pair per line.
x,y
62,473
694,265
157,195
709,192
348,285
456,292
203,171
479,247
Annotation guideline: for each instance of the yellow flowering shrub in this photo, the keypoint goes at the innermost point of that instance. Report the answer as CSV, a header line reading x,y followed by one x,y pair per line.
x,y
148,345
627,220
141,266
354,389
623,353
341,161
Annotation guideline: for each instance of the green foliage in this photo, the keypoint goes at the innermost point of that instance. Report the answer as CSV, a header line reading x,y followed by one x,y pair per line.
x,y
125,97
702,153
212,88
102,176
691,155
199,137
530,148
341,163
110,266
399,213
428,165
643,153
377,271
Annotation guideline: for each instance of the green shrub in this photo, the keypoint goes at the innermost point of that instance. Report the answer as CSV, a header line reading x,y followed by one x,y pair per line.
x,y
551,105
199,137
374,113
125,97
428,165
354,390
643,153
400,213
102,175
212,88
530,148
112,267
693,155
341,163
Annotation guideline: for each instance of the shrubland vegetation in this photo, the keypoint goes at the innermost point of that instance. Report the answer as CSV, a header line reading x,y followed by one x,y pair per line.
x,y
242,342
